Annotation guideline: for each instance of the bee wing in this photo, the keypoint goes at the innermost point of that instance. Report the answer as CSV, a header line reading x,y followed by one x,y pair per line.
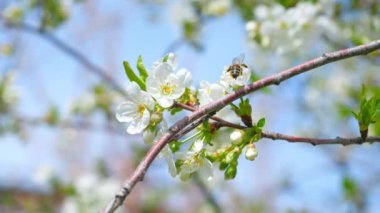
x,y
239,59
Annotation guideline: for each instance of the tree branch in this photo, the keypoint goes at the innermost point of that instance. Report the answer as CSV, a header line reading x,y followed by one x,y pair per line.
x,y
139,173
318,141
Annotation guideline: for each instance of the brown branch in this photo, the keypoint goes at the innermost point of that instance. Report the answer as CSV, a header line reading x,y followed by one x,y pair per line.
x,y
139,173
290,138
318,141
221,121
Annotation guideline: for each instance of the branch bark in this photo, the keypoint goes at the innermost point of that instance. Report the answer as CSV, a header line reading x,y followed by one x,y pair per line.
x,y
139,173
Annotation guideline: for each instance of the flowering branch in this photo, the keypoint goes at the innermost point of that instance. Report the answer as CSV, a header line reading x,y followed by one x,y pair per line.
x,y
139,173
290,138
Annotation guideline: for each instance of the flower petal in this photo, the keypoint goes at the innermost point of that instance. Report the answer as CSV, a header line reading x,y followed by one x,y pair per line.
x,y
185,77
169,159
206,170
126,111
164,101
138,125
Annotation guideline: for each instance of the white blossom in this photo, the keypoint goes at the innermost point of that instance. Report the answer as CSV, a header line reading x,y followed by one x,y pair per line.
x,y
193,161
165,85
217,7
228,80
92,194
286,30
211,92
136,109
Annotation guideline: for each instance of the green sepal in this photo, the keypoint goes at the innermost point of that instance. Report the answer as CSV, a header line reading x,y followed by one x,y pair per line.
x,y
132,76
231,171
261,123
141,68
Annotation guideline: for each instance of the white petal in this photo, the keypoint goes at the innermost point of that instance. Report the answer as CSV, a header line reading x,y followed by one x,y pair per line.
x,y
246,74
197,146
172,60
169,159
148,136
146,99
133,90
126,111
185,77
138,125
162,71
164,101
152,85
206,170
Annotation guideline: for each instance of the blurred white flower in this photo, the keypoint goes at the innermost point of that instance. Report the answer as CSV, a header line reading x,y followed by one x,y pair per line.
x,y
217,7
92,194
13,13
165,85
286,30
9,94
182,11
43,175
193,161
136,109
83,105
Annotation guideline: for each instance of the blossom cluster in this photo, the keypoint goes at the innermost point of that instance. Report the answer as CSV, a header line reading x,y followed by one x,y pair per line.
x,y
286,30
157,90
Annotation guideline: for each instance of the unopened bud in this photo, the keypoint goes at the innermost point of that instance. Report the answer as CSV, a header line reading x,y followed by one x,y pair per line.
x,y
237,136
155,118
251,152
230,172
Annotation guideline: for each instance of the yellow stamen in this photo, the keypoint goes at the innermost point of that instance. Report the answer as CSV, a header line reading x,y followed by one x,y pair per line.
x,y
141,109
167,88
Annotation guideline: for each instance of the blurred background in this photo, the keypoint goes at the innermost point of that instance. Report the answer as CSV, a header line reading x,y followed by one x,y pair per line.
x,y
62,150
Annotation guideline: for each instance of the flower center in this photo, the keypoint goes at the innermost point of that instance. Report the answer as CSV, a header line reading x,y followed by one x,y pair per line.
x,y
141,109
167,88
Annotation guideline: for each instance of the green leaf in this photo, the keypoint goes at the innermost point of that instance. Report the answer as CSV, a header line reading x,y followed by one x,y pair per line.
x,y
132,76
142,69
261,123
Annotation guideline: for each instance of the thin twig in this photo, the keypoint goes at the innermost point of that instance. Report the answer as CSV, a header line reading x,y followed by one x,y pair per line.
x,y
139,173
318,141
291,138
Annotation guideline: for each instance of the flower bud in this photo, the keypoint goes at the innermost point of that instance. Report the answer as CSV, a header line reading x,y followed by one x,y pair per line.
x,y
251,152
155,118
174,146
223,165
230,172
233,155
237,136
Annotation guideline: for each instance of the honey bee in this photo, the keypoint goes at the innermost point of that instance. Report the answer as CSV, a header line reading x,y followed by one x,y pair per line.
x,y
236,68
